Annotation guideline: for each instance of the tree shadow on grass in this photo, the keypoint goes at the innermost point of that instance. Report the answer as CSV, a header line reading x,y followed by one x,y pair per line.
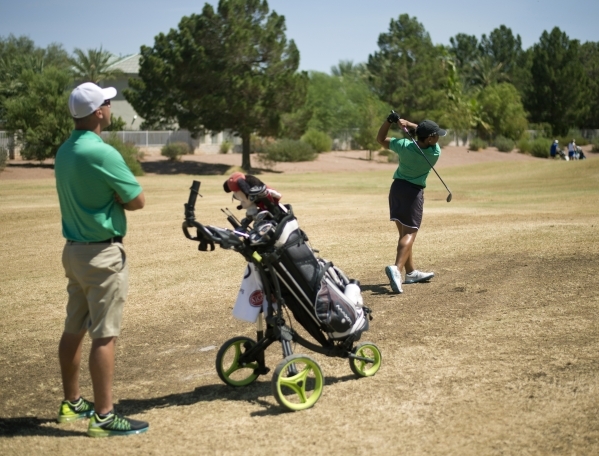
x,y
194,168
30,165
32,426
169,167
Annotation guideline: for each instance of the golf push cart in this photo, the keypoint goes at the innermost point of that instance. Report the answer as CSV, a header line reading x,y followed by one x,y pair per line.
x,y
289,277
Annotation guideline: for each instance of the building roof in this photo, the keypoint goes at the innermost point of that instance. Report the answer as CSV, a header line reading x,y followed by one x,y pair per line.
x,y
128,65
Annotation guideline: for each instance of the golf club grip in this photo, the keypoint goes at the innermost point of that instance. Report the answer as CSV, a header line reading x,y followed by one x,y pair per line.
x,y
194,191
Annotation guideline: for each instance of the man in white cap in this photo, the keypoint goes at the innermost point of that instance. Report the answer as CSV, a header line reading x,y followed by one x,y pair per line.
x,y
94,187
572,149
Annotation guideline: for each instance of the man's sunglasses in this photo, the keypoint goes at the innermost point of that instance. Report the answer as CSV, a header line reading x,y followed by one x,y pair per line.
x,y
106,103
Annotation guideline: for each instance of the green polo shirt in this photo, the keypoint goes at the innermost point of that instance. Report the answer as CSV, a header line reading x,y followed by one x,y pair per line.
x,y
413,167
89,173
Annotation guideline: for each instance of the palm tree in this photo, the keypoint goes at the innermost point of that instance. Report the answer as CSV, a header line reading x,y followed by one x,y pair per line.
x,y
95,66
486,72
347,67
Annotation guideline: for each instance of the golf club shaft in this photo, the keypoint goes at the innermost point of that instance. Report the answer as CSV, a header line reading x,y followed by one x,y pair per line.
x,y
427,160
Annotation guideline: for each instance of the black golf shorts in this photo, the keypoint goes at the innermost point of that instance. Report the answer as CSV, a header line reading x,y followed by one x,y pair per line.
x,y
406,202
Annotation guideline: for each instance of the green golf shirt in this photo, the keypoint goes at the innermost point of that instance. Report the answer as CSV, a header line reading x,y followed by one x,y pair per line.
x,y
413,167
88,174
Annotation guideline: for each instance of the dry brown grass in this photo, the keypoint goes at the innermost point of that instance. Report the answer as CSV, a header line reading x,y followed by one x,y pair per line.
x,y
497,355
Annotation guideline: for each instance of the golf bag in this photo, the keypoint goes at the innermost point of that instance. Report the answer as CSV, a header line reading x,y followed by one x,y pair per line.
x,y
320,296
284,274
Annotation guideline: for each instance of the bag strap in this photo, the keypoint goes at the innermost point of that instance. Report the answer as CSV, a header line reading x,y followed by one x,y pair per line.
x,y
324,268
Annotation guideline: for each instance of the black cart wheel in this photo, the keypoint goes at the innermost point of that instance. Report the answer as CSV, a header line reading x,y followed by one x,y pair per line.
x,y
228,366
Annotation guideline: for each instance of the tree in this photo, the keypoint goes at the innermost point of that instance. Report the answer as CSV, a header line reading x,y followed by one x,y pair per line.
x,y
18,54
486,72
95,66
349,68
372,112
559,84
496,58
464,51
328,104
116,124
39,116
227,69
503,110
459,114
502,47
13,47
342,105
589,56
407,71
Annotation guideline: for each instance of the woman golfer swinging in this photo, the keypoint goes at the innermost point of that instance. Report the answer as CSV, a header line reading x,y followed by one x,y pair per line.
x,y
406,197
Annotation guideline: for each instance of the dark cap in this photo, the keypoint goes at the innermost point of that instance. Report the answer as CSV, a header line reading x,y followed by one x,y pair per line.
x,y
428,128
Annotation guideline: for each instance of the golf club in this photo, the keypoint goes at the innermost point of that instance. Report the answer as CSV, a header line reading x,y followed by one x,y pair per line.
x,y
433,168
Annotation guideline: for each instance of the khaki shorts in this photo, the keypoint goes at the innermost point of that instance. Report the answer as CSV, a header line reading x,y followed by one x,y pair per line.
x,y
98,282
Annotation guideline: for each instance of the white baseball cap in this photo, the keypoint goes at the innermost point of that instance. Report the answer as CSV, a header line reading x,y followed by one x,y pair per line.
x,y
88,97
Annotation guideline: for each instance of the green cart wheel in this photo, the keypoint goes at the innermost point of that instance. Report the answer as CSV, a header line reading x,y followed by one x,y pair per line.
x,y
228,367
297,382
370,361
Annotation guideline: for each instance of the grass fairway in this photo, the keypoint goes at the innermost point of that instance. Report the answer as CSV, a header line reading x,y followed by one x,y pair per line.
x,y
498,354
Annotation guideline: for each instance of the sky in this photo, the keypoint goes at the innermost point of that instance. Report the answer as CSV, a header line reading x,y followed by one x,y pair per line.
x,y
325,31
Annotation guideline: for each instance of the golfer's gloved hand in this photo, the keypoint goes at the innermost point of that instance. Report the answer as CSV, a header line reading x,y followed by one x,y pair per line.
x,y
393,117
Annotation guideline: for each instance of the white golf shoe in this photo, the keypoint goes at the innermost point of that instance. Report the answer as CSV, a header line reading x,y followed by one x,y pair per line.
x,y
418,276
394,278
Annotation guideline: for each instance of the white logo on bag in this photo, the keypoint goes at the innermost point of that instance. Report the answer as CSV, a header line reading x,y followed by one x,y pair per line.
x,y
342,312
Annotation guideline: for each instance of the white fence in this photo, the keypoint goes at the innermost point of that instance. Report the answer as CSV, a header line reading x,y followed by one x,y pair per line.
x,y
149,139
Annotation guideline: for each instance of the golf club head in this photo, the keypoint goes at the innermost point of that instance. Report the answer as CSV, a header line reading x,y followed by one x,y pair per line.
x,y
449,198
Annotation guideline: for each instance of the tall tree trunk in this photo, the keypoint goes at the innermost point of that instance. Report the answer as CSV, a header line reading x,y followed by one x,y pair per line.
x,y
245,151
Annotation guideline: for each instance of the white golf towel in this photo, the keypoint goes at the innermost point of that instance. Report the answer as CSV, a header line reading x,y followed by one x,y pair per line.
x,y
250,299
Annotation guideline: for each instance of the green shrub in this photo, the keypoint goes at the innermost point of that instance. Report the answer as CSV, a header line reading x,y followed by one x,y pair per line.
x,y
477,144
504,144
524,146
595,143
225,147
385,153
175,150
318,140
540,147
259,144
116,124
573,135
3,158
542,129
288,150
393,158
131,154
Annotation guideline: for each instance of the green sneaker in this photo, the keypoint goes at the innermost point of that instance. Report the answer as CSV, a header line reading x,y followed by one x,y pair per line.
x,y
73,411
113,425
